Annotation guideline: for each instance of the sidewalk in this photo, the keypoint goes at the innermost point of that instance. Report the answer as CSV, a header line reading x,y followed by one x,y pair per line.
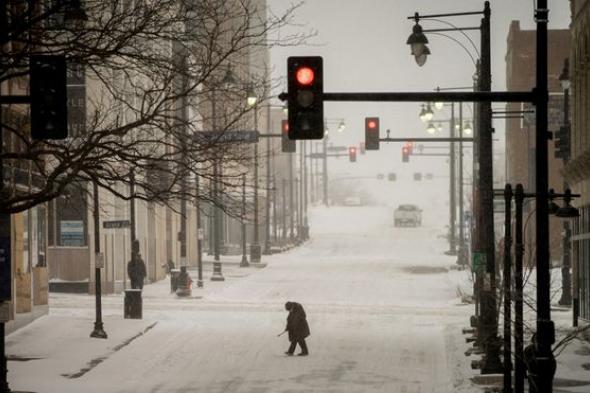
x,y
59,343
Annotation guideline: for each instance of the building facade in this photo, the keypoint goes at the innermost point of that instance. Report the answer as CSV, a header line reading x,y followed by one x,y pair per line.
x,y
520,130
577,171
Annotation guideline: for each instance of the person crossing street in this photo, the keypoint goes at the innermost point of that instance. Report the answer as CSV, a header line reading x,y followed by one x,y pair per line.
x,y
297,328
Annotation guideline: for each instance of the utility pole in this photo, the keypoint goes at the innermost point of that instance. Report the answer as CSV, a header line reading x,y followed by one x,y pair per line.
x,y
452,191
462,252
255,246
485,222
545,327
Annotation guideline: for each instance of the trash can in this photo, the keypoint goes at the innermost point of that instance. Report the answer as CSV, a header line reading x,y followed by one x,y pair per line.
x,y
133,304
174,279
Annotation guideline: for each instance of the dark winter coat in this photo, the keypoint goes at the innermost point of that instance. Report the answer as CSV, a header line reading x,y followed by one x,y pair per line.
x,y
297,323
136,271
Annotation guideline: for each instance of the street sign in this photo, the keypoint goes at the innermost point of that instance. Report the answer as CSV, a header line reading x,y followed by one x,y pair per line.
x,y
478,262
233,136
116,224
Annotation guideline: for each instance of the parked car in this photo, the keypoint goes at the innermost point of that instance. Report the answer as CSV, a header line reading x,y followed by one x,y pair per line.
x,y
352,201
407,215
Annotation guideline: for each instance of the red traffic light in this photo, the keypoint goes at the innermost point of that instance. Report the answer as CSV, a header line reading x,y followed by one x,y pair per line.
x,y
285,126
372,124
405,150
352,149
305,76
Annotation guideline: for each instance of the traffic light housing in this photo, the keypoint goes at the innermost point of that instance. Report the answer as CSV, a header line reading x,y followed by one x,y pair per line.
x,y
48,94
562,143
287,145
352,154
372,133
306,89
407,149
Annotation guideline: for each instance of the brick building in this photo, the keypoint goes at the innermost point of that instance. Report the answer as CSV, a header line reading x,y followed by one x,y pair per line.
x,y
520,132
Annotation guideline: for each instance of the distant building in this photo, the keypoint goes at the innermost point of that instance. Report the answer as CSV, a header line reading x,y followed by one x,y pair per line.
x,y
520,132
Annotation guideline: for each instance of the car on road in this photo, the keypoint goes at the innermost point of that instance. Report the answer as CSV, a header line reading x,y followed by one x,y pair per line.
x,y
407,215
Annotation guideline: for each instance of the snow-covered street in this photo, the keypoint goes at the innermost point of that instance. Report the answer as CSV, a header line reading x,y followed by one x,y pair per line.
x,y
382,304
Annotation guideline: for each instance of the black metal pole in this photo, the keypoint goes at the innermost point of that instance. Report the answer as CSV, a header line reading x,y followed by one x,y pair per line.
x,y
255,249
519,366
244,262
98,331
462,252
452,183
199,236
255,246
545,327
489,317
507,274
217,268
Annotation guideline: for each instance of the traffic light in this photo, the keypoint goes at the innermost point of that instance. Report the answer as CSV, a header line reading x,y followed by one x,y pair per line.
x,y
306,105
287,145
49,112
562,143
352,154
362,147
372,133
407,150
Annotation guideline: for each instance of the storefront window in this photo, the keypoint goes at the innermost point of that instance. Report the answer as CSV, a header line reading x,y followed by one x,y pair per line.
x,y
68,219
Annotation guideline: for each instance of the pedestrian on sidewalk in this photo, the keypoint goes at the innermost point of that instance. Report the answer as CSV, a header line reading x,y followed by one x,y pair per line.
x,y
136,268
297,328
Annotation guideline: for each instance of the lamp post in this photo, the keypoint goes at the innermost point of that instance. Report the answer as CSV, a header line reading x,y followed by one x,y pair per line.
x,y
98,331
226,82
244,262
566,279
484,242
255,250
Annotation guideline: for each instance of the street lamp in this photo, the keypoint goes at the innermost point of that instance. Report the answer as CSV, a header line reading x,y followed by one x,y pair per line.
x,y
431,128
417,41
485,244
467,129
255,250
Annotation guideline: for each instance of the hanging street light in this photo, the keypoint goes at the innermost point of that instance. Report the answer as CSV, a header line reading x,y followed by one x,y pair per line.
x,y
467,129
417,41
431,128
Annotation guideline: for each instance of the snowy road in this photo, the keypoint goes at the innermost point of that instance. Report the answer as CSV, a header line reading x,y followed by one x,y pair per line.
x,y
382,306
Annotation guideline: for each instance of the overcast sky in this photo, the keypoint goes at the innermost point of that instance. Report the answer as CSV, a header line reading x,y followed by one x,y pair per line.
x,y
363,44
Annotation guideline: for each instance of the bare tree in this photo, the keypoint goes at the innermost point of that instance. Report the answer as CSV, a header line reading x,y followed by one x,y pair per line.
x,y
144,62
